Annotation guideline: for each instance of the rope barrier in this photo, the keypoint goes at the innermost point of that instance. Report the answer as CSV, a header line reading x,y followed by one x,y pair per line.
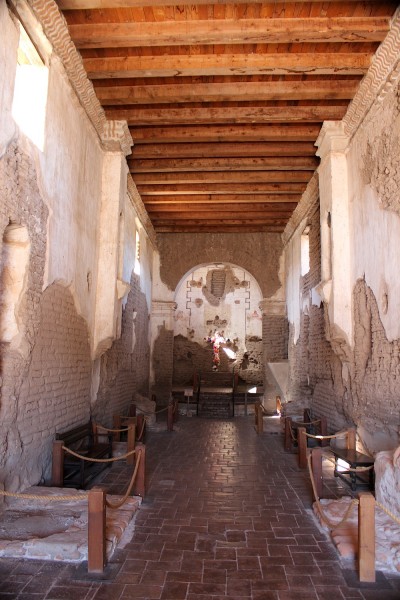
x,y
351,469
307,423
23,496
112,430
130,486
142,431
388,512
324,518
326,437
294,438
98,460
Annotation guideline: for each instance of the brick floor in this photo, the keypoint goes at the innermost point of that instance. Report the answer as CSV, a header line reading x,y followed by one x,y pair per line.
x,y
227,515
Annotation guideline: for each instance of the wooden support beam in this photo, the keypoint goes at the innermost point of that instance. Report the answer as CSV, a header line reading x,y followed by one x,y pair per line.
x,y
211,65
231,115
230,31
215,213
102,4
221,188
302,444
282,133
233,220
165,165
179,93
217,199
220,228
96,530
222,177
183,208
221,149
366,537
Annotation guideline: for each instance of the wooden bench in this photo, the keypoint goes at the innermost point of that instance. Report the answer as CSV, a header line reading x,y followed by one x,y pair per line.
x,y
70,471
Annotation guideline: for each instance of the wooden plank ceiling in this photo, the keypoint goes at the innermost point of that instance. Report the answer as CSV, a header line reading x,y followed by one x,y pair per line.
x,y
225,100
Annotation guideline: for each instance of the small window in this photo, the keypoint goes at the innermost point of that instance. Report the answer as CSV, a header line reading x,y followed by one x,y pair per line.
x,y
30,91
305,251
137,253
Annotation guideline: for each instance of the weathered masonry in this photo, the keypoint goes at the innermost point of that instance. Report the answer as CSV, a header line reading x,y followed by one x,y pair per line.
x,y
138,219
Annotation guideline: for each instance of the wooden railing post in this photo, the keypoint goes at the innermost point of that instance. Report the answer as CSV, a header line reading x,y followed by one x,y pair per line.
x,y
96,530
324,430
170,416
131,439
260,420
351,439
176,410
132,410
57,468
139,487
140,427
117,425
366,536
302,444
288,435
316,466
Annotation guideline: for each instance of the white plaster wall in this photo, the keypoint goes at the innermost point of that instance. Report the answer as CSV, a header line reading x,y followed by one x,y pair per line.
x,y
376,231
9,36
240,308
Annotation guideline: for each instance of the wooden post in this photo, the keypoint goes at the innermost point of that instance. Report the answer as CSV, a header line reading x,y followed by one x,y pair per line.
x,y
260,420
131,439
288,436
351,439
170,416
132,410
117,425
96,530
366,536
57,469
324,430
306,415
316,465
139,427
139,487
302,444
176,410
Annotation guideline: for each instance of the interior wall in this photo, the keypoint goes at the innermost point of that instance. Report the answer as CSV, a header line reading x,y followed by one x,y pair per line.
x,y
51,378
355,381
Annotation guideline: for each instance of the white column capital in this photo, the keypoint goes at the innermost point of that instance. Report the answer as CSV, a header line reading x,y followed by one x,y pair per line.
x,y
332,138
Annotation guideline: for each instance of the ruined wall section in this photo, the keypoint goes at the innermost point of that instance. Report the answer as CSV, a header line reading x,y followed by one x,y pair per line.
x,y
258,253
124,368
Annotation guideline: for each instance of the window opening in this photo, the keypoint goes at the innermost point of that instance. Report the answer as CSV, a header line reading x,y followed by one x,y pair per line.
x,y
305,251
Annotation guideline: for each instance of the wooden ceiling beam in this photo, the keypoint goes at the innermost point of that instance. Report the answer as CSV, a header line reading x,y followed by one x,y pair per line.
x,y
210,65
166,165
221,188
331,89
222,177
225,133
221,149
234,114
104,4
217,199
221,223
248,207
220,228
230,31
211,215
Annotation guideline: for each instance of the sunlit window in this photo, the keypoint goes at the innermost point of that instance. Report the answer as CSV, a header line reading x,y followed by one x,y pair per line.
x,y
137,253
305,251
30,91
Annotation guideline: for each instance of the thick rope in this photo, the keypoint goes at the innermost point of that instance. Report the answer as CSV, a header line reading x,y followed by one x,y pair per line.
x,y
112,430
98,460
294,438
142,431
82,496
326,437
351,469
130,486
324,518
307,423
388,512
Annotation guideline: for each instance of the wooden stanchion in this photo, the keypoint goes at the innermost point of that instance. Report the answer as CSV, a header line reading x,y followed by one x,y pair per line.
x,y
260,420
288,435
176,410
366,536
57,468
170,416
324,431
316,466
302,444
96,530
351,439
139,487
131,439
117,425
140,427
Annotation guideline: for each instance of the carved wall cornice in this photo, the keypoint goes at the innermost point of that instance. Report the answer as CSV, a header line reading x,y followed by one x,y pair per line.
x,y
307,206
114,135
382,75
138,205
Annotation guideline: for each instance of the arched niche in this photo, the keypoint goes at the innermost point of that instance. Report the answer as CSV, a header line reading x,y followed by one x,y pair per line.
x,y
218,297
14,268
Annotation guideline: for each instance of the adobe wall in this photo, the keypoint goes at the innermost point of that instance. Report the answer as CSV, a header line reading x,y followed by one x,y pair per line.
x,y
70,352
350,373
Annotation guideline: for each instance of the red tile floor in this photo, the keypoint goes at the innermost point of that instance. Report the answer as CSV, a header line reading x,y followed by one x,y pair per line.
x,y
227,515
